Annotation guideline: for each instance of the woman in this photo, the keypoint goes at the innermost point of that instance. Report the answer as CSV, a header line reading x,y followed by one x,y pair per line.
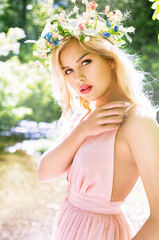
x,y
113,143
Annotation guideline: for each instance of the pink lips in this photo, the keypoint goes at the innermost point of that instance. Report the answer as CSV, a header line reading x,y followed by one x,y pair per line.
x,y
85,88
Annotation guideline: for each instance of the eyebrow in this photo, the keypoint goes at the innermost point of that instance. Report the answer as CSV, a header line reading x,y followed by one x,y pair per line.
x,y
77,60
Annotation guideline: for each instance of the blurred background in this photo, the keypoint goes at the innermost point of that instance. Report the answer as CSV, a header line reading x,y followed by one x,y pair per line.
x,y
29,113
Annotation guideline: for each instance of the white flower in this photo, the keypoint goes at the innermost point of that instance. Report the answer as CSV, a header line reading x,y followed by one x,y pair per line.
x,y
87,38
75,9
62,14
46,29
41,43
76,32
35,53
15,33
130,29
90,31
100,25
56,16
6,48
91,14
60,37
15,47
2,35
85,2
73,1
85,16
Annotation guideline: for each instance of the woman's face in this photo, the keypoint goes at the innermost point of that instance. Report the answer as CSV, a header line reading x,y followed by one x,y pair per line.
x,y
89,74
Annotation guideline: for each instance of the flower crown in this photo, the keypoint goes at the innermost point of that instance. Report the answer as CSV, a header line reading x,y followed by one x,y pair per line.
x,y
89,23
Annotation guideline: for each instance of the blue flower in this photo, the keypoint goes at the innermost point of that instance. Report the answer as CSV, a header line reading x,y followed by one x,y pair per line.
x,y
55,42
108,24
116,28
106,34
48,36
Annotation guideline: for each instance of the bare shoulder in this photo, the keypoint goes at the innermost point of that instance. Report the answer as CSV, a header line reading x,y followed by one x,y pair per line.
x,y
139,121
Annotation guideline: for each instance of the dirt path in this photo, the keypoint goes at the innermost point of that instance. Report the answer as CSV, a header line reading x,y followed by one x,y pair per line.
x,y
28,206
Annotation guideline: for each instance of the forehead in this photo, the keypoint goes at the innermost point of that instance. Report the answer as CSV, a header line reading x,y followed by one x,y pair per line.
x,y
71,52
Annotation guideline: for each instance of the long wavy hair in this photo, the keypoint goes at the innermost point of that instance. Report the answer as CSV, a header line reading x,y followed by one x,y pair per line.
x,y
130,79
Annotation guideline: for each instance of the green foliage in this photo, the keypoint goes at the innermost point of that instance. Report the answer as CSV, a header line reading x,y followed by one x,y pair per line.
x,y
8,113
7,119
25,92
40,100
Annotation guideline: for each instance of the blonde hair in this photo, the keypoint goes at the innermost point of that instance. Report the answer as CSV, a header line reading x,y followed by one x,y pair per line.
x,y
129,79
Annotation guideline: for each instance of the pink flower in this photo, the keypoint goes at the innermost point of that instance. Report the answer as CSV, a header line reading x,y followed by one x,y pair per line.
x,y
115,16
51,44
44,54
93,5
107,8
36,63
81,26
61,20
119,14
55,35
62,16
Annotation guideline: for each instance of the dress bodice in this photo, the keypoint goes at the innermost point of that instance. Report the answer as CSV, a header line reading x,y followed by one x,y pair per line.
x,y
91,172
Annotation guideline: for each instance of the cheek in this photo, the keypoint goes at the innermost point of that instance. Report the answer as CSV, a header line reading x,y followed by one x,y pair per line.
x,y
71,82
99,69
105,73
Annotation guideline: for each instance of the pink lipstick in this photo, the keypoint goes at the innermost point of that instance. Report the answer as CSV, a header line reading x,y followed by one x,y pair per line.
x,y
85,89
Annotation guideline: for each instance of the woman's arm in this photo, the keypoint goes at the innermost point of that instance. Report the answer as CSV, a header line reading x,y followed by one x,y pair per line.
x,y
143,139
56,160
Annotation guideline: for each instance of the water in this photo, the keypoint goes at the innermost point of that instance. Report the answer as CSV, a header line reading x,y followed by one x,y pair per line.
x,y
33,130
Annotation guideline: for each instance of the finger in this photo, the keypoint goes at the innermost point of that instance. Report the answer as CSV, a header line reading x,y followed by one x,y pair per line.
x,y
115,104
110,127
111,119
112,111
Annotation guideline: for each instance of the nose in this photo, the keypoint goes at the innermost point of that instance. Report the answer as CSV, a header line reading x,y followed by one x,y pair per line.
x,y
80,77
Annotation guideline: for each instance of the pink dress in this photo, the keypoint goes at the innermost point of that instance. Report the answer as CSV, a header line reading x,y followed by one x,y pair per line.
x,y
87,212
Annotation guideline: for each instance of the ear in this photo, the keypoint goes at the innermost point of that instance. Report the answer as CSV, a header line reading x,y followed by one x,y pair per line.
x,y
112,64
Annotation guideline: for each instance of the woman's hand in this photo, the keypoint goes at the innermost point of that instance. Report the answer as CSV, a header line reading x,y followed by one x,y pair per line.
x,y
104,118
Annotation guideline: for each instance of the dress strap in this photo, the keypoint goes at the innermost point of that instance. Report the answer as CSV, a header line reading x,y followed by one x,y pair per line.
x,y
128,108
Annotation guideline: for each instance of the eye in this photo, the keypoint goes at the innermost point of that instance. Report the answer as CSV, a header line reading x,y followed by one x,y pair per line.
x,y
85,62
68,71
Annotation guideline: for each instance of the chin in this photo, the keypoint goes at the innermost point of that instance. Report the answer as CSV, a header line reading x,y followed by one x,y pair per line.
x,y
90,99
